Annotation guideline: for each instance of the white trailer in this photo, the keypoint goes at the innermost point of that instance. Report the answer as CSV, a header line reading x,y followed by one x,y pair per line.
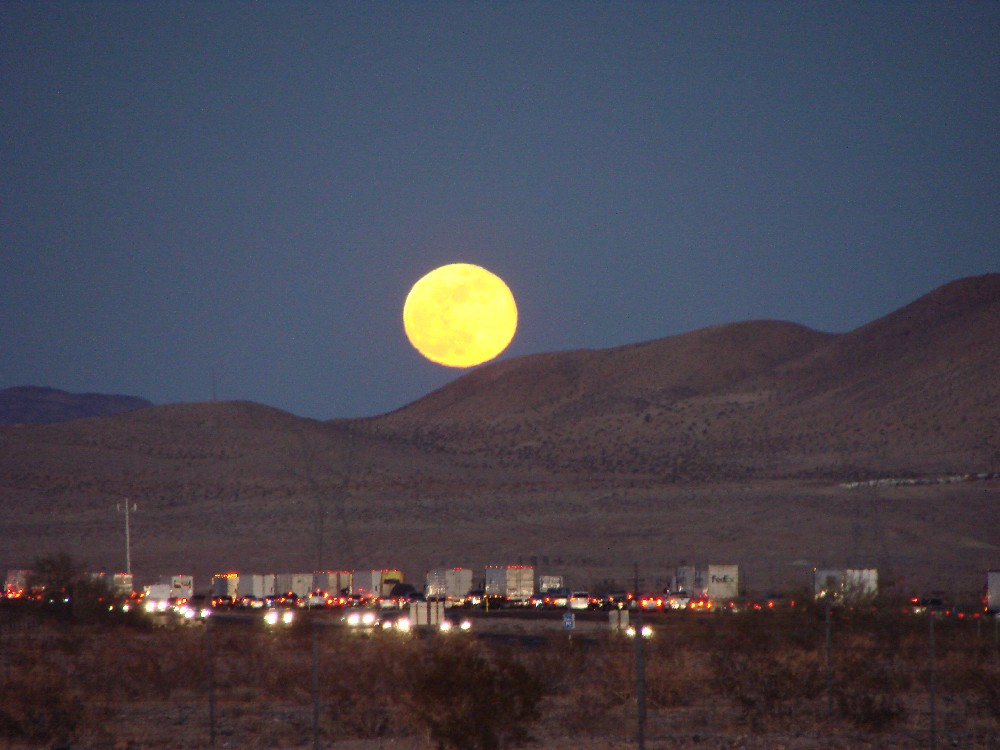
x,y
723,582
299,584
16,584
375,583
845,585
157,592
448,584
225,585
181,586
860,584
513,583
258,585
993,591
332,582
427,614
366,583
122,584
689,579
549,583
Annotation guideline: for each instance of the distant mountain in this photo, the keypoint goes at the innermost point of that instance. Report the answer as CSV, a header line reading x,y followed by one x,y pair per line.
x,y
33,404
736,443
914,392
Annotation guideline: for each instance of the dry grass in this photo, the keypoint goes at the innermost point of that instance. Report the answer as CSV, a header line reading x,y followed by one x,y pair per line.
x,y
714,681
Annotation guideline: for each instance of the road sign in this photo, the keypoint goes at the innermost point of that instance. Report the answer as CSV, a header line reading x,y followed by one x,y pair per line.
x,y
569,621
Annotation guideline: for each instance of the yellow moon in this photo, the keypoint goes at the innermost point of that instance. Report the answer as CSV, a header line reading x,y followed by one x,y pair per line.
x,y
460,315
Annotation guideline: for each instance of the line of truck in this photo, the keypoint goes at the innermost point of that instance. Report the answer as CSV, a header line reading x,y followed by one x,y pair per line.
x,y
497,585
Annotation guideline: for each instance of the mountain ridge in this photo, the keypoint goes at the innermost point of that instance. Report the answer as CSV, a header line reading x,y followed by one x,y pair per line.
x,y
730,443
39,404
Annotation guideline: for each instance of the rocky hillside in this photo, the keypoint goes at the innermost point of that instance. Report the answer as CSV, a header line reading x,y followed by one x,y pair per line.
x,y
735,443
913,393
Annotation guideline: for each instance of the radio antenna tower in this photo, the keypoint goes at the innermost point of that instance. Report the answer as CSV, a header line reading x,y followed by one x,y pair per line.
x,y
129,508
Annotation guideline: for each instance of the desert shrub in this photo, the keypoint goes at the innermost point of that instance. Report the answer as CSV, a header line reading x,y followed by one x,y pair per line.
x,y
36,706
677,678
987,689
548,663
868,691
588,698
365,687
469,699
768,685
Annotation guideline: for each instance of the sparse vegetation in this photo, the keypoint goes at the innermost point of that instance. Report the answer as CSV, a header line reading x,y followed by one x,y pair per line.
x,y
709,680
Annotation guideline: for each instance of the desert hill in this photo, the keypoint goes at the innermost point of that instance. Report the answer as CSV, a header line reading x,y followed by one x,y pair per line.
x,y
911,393
728,444
22,404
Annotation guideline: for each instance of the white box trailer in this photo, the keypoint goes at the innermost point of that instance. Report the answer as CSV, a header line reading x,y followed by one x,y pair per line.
x,y
993,591
16,584
845,585
860,584
723,582
549,583
448,584
258,585
122,584
157,592
689,579
332,582
182,586
827,582
366,583
427,614
225,585
375,583
299,584
514,583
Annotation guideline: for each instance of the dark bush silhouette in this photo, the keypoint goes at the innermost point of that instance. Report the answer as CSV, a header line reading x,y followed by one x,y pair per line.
x,y
37,707
468,700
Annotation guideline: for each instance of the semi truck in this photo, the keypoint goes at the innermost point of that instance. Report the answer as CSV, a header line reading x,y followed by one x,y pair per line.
x,y
178,588
513,584
375,583
122,584
299,584
225,585
722,582
845,585
182,586
450,585
257,585
16,584
332,582
427,614
157,592
548,583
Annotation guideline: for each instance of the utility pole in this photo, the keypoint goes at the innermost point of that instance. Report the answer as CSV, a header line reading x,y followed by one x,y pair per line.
x,y
640,669
129,508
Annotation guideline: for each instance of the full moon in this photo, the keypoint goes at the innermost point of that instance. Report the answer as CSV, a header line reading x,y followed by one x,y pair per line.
x,y
460,315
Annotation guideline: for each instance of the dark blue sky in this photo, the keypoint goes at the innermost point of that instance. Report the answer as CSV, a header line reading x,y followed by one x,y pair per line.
x,y
252,188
